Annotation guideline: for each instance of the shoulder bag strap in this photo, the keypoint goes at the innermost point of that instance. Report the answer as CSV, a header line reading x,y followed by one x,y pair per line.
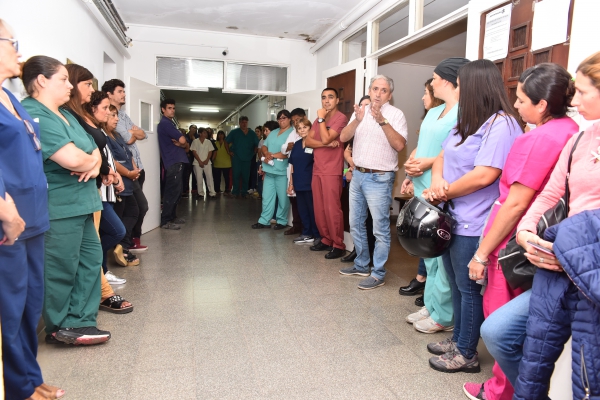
x,y
567,191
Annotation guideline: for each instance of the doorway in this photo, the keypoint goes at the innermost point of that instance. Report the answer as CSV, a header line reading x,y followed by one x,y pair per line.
x,y
345,84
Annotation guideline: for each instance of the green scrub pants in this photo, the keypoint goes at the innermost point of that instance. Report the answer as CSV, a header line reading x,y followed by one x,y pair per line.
x,y
275,187
240,170
71,273
438,294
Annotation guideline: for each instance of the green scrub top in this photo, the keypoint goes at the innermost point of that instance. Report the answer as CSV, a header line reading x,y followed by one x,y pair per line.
x,y
431,136
66,196
274,142
242,146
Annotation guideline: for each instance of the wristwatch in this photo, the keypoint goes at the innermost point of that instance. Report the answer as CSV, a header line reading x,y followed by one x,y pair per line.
x,y
385,122
320,120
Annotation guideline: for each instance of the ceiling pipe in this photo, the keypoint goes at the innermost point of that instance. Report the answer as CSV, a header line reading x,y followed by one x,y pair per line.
x,y
351,17
238,109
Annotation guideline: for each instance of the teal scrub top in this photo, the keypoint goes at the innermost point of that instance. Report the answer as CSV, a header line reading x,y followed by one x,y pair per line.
x,y
274,142
242,145
431,136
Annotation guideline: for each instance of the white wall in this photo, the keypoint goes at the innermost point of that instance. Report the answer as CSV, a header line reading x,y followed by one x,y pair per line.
x,y
310,100
148,42
409,83
61,29
257,112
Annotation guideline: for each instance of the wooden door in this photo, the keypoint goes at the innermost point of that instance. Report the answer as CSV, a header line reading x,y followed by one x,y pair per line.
x,y
345,84
520,57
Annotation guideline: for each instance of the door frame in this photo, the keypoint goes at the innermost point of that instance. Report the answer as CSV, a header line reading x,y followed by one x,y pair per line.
x,y
358,65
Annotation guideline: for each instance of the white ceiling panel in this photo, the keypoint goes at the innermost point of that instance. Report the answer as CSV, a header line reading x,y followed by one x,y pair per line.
x,y
276,18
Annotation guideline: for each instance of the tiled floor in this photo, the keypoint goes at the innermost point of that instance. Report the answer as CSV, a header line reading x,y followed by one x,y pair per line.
x,y
225,312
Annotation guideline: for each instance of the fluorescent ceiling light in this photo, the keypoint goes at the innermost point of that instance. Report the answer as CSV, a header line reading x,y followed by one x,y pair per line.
x,y
204,109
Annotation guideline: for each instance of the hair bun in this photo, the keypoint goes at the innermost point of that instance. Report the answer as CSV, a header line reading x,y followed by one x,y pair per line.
x,y
570,92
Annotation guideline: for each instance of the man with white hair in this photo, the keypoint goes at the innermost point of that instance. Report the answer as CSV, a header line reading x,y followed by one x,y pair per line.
x,y
379,132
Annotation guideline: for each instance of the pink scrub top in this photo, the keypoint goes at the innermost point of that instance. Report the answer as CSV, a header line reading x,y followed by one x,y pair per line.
x,y
530,162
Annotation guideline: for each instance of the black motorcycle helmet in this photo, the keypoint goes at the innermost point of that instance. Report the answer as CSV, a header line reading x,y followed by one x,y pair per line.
x,y
423,229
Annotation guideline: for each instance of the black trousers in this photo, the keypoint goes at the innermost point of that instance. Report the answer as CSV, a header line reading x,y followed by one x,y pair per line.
x,y
217,178
142,203
172,194
127,210
297,220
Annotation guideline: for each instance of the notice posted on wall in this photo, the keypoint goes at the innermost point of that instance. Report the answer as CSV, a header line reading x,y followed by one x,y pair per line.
x,y
497,33
550,23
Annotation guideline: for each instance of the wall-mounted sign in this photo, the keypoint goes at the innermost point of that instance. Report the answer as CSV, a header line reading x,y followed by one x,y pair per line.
x,y
550,23
497,33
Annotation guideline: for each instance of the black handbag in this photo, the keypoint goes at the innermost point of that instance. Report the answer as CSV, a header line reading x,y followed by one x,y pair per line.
x,y
517,269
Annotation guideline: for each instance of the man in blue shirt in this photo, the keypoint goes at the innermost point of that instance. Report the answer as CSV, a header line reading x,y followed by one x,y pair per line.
x,y
173,147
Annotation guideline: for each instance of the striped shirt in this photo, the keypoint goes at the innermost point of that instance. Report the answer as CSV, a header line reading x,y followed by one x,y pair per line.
x,y
371,148
108,192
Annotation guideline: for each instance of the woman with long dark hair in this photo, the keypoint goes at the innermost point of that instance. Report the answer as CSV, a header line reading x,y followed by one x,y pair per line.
x,y
544,93
71,164
467,172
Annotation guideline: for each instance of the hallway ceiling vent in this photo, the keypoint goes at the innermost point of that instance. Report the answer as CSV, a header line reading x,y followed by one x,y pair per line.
x,y
261,78
189,73
114,20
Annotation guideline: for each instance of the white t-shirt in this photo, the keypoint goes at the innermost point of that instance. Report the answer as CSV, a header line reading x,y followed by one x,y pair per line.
x,y
201,149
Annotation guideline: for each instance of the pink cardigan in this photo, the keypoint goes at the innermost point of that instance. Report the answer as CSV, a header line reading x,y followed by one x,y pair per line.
x,y
584,182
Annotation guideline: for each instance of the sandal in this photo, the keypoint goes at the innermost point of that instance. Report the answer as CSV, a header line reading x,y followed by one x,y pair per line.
x,y
49,391
113,305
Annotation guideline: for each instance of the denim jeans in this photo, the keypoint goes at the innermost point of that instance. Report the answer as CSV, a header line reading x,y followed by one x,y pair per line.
x,y
467,300
111,230
422,269
504,334
372,191
172,194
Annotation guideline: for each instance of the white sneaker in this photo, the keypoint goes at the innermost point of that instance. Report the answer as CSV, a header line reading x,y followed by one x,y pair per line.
x,y
113,279
428,325
273,221
419,315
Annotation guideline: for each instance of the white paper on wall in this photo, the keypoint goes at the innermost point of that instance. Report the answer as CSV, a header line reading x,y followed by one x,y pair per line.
x,y
497,33
550,23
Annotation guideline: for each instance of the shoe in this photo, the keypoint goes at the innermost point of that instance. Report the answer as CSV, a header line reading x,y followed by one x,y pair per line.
x,y
178,221
185,195
258,225
304,239
132,260
350,257
273,221
120,256
428,325
413,288
370,283
227,194
212,196
335,253
86,336
137,247
420,302
113,279
453,361
279,227
443,347
50,339
321,247
292,231
417,316
474,391
353,271
49,391
171,226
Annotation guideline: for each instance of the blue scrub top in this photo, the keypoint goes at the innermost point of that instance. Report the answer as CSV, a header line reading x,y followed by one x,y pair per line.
x,y
23,170
303,166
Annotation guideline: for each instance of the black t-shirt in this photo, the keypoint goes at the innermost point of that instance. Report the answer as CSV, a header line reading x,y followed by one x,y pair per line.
x,y
100,138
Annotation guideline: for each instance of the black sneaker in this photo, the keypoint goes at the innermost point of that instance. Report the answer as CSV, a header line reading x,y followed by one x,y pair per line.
x,y
321,247
279,227
50,339
86,335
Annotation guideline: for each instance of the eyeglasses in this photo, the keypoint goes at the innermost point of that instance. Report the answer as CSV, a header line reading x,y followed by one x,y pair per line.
x,y
34,139
14,42
282,118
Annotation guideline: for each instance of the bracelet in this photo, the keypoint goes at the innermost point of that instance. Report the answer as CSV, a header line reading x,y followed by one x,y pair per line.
x,y
480,261
116,183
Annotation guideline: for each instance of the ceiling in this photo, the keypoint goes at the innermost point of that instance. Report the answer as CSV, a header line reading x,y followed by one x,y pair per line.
x,y
214,98
276,18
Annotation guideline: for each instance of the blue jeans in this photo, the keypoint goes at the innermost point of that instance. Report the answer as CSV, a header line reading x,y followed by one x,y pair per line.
x,y
467,300
422,270
111,230
504,334
372,191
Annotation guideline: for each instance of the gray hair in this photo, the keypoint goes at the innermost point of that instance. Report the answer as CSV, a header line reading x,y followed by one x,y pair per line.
x,y
389,81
